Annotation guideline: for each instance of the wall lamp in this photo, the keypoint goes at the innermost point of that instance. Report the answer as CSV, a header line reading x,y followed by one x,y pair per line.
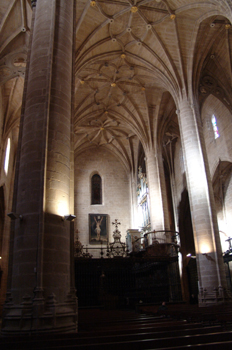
x,y
14,216
69,217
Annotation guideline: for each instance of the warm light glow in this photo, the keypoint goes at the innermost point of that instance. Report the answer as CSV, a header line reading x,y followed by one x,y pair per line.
x,y
62,208
7,156
204,248
198,177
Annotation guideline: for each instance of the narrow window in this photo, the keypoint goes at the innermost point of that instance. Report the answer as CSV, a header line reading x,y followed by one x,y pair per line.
x,y
96,191
7,156
215,128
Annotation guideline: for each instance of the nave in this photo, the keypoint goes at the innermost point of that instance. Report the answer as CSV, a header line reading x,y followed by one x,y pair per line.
x,y
127,329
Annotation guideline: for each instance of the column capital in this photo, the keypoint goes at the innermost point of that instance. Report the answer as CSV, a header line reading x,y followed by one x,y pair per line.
x,y
33,3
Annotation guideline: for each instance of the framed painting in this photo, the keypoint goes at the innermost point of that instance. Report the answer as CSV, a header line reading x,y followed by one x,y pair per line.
x,y
98,228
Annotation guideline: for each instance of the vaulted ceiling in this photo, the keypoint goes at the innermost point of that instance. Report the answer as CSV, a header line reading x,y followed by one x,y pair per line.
x,y
133,60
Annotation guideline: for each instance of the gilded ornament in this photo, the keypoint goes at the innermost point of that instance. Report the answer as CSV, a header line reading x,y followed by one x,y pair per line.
x,y
93,3
173,17
134,9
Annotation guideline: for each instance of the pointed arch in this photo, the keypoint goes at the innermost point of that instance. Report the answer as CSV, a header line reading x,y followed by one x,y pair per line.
x,y
96,189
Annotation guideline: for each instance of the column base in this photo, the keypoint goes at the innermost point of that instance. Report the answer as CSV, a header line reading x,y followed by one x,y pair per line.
x,y
34,318
216,297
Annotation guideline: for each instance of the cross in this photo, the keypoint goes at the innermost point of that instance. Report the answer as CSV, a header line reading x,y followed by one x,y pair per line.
x,y
229,240
116,223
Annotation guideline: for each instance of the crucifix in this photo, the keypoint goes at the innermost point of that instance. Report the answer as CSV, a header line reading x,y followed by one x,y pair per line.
x,y
116,223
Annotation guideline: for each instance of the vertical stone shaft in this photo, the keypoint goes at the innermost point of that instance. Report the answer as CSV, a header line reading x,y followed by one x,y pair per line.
x,y
163,192
206,236
134,201
156,204
41,252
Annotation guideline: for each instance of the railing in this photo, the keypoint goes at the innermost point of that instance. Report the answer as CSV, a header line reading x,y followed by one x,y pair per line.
x,y
154,237
119,249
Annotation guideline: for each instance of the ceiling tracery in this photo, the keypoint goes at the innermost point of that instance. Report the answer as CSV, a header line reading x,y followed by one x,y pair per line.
x,y
128,55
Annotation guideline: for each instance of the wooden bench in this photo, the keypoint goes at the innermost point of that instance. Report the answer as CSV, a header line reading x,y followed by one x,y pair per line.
x,y
133,331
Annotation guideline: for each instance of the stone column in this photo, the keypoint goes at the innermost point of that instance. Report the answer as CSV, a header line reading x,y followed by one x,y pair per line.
x,y
155,196
211,272
164,195
134,201
40,279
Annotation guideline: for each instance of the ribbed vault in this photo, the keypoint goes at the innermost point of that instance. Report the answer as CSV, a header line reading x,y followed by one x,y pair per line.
x,y
133,61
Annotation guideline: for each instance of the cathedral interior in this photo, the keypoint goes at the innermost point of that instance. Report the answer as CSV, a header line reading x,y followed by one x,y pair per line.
x,y
116,156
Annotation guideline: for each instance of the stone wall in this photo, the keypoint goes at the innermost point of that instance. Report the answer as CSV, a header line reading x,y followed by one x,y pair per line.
x,y
222,146
115,193
219,149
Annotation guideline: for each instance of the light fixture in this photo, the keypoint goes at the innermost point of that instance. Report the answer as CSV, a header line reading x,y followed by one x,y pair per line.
x,y
14,216
69,217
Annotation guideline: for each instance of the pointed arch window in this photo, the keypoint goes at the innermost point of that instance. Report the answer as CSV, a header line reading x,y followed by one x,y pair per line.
x,y
7,156
96,189
215,127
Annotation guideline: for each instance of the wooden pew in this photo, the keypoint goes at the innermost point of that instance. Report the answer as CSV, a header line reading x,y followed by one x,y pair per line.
x,y
127,331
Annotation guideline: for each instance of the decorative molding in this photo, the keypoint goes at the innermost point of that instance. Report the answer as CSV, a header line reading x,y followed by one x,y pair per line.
x,y
33,3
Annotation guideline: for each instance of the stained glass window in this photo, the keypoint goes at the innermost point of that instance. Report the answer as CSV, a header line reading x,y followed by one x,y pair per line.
x,y
7,156
215,128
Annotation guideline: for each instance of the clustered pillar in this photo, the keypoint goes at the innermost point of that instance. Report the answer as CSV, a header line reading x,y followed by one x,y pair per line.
x,y
211,272
40,296
155,196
